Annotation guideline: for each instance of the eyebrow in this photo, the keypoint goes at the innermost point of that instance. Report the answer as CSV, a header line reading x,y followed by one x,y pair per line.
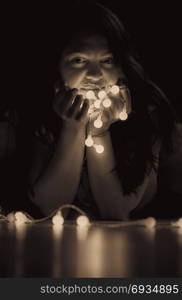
x,y
85,53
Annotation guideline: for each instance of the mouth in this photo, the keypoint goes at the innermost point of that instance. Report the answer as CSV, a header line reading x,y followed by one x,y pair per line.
x,y
92,86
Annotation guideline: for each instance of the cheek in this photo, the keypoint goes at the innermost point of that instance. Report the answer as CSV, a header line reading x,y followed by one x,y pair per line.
x,y
112,76
116,75
72,77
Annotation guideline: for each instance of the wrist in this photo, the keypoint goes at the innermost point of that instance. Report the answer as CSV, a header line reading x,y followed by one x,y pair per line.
x,y
100,134
73,130
73,126
95,131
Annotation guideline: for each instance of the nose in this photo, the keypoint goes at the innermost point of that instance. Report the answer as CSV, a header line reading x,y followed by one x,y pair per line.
x,y
94,72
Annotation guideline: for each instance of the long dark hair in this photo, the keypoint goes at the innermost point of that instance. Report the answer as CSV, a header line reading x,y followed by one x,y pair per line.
x,y
152,115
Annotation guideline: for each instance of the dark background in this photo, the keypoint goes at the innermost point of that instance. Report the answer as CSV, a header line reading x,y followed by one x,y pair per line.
x,y
28,47
28,59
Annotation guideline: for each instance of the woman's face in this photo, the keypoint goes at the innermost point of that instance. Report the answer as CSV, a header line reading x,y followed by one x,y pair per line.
x,y
87,63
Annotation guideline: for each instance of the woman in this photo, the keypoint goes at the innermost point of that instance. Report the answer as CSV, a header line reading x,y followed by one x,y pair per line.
x,y
94,53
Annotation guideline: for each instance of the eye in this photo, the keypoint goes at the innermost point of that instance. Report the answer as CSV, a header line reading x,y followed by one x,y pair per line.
x,y
78,62
108,61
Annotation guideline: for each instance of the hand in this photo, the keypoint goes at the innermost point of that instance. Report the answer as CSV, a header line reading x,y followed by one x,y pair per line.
x,y
70,106
109,115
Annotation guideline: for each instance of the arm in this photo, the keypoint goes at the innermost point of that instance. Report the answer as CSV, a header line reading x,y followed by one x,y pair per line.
x,y
105,183
107,187
59,182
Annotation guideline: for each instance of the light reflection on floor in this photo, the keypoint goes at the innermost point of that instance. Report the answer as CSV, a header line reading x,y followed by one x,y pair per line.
x,y
102,252
90,251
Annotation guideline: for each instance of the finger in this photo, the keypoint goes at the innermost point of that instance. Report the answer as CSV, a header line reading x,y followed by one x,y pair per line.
x,y
107,115
67,101
116,98
75,106
93,116
117,104
113,113
62,102
84,110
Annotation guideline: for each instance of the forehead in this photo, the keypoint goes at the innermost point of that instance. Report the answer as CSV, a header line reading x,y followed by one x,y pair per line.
x,y
86,44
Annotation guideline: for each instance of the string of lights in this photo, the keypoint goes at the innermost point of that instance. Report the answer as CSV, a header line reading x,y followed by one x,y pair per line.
x,y
57,219
98,102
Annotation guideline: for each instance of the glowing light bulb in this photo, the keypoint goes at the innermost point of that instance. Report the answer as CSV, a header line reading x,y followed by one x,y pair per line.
x,y
11,217
20,218
58,219
90,95
98,123
19,222
89,141
82,221
149,222
177,223
106,102
97,103
115,89
99,148
101,94
123,115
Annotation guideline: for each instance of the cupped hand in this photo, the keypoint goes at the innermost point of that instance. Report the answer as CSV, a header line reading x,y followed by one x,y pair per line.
x,y
108,115
70,107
